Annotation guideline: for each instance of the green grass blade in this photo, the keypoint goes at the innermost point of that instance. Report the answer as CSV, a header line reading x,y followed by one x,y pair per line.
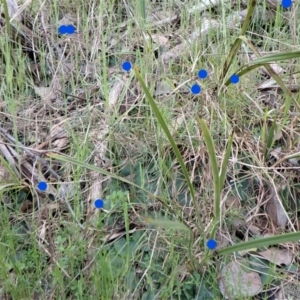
x,y
264,134
264,62
169,136
143,11
276,57
7,19
215,170
262,242
211,152
271,138
224,166
237,43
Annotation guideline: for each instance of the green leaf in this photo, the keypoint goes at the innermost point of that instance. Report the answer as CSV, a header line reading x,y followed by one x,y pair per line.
x,y
266,271
120,245
262,242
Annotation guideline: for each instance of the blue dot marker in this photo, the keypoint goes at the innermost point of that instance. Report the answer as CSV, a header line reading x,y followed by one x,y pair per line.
x,y
196,89
126,66
286,3
211,244
70,29
66,29
42,186
234,79
202,74
62,29
99,203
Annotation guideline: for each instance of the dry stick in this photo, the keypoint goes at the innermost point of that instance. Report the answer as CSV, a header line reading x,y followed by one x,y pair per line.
x,y
44,162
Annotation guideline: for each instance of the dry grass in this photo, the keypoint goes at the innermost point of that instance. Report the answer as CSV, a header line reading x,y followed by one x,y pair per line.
x,y
68,94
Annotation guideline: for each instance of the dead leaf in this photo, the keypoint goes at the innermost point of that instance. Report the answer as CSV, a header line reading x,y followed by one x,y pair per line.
x,y
42,232
174,52
159,40
276,68
12,7
276,153
113,236
163,88
66,190
235,283
254,229
60,144
271,84
177,123
115,92
46,93
67,19
163,19
232,202
204,5
277,256
294,162
223,239
276,211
